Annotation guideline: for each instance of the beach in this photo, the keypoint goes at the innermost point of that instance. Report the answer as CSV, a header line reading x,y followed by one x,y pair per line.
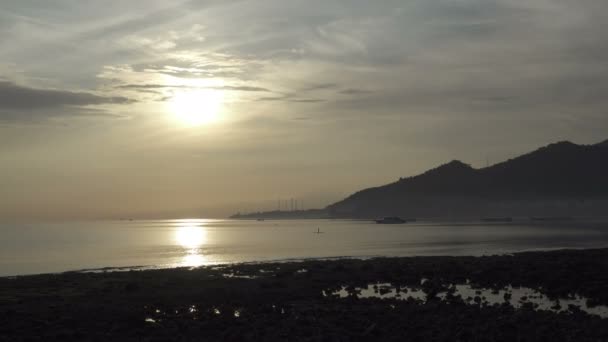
x,y
401,299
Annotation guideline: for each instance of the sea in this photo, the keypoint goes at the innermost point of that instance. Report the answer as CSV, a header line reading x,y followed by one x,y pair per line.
x,y
96,246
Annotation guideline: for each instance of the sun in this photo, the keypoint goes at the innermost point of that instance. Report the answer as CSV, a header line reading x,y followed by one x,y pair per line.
x,y
196,107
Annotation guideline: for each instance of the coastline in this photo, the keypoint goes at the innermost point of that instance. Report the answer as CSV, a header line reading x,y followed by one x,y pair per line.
x,y
300,301
139,268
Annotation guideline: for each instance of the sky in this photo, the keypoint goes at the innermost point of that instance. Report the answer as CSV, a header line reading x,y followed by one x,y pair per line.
x,y
202,108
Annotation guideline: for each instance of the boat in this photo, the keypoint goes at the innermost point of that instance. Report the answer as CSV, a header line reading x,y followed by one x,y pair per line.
x,y
391,220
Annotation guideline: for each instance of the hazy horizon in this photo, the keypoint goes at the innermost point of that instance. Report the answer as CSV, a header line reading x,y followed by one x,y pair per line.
x,y
157,109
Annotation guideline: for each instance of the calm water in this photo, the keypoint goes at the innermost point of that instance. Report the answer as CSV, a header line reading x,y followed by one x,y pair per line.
x,y
44,248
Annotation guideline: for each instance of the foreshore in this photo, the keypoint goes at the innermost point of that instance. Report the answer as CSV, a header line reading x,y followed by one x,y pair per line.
x,y
332,300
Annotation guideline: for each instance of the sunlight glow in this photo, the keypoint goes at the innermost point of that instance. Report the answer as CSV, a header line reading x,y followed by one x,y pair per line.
x,y
193,260
191,236
196,107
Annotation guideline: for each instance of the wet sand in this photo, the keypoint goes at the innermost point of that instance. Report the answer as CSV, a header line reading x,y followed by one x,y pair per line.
x,y
314,301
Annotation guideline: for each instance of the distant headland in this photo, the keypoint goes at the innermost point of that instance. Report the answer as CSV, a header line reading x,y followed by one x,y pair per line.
x,y
559,180
285,215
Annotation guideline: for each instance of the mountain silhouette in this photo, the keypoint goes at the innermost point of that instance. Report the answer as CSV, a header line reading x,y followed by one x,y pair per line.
x,y
561,178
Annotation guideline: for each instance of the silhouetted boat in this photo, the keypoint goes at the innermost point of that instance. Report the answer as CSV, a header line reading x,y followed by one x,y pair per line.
x,y
391,220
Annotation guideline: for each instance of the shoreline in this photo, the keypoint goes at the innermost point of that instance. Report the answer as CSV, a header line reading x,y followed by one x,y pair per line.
x,y
156,245
140,268
300,300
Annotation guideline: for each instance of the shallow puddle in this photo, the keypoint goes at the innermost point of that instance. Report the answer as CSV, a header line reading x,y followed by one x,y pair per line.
x,y
516,297
239,276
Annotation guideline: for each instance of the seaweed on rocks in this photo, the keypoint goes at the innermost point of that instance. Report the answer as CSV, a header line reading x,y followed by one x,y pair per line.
x,y
278,301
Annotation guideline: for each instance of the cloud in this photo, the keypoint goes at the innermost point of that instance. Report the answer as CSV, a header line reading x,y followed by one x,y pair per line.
x,y
465,59
353,91
165,86
321,86
242,88
16,97
289,98
272,98
307,100
23,104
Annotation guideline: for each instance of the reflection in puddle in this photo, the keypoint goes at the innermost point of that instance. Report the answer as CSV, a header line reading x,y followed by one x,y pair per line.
x,y
274,308
381,291
239,276
194,312
516,297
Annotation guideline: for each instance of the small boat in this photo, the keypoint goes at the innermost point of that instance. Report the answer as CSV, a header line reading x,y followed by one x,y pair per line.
x,y
391,220
318,231
260,219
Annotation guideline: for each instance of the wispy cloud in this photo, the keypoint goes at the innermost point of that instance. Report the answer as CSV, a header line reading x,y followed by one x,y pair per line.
x,y
353,91
16,97
460,60
168,86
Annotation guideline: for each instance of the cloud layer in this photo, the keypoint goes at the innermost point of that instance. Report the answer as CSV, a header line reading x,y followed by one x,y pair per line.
x,y
16,97
479,57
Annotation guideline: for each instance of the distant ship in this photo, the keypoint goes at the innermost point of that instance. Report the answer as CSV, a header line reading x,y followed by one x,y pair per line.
x,y
391,220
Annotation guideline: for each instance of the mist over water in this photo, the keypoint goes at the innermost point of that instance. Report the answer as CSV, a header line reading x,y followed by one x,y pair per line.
x,y
58,247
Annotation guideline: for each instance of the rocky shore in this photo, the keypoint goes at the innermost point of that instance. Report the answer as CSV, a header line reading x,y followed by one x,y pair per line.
x,y
300,301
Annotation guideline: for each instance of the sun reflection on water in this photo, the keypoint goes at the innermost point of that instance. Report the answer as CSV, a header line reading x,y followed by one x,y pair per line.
x,y
193,260
191,235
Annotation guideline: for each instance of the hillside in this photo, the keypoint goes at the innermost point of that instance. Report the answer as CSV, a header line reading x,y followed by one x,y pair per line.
x,y
562,178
